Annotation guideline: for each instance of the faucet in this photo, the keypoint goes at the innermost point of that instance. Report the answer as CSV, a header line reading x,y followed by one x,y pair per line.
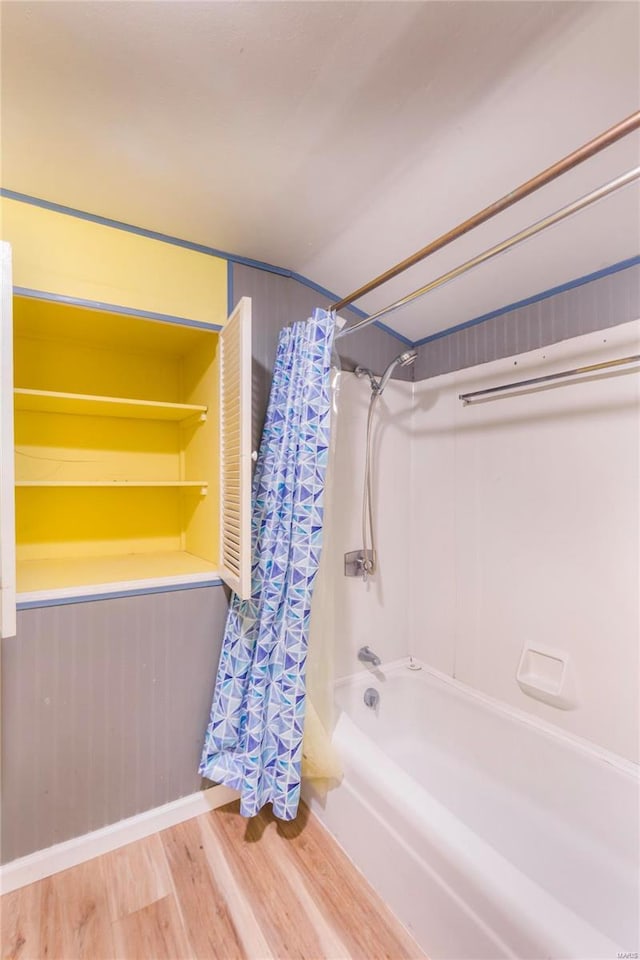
x,y
365,655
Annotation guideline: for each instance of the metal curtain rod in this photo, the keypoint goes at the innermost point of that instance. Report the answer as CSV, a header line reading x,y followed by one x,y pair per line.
x,y
578,156
622,181
468,398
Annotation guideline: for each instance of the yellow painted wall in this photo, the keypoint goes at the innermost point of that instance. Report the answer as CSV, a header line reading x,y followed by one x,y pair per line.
x,y
85,522
75,367
51,447
57,253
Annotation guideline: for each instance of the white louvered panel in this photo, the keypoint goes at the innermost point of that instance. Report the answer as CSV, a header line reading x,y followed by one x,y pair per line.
x,y
235,450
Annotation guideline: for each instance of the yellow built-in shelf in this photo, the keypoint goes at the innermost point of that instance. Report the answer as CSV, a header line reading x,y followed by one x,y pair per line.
x,y
112,483
72,575
81,404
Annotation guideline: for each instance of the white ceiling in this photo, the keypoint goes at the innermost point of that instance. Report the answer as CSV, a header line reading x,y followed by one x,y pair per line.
x,y
331,138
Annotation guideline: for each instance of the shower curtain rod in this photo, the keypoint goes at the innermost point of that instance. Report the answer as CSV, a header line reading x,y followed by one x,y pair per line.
x,y
587,150
476,395
622,181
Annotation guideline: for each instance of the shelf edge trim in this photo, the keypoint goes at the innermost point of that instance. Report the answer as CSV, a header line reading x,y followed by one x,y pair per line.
x,y
31,600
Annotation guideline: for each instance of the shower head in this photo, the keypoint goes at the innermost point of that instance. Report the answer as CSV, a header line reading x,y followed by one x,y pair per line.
x,y
404,360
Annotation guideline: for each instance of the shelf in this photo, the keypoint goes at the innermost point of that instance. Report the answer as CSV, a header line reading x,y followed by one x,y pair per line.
x,y
77,576
113,483
81,404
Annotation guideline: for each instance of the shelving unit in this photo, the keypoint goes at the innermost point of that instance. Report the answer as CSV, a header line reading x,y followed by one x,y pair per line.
x,y
116,438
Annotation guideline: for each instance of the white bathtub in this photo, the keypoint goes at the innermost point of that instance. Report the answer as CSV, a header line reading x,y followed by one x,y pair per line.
x,y
490,834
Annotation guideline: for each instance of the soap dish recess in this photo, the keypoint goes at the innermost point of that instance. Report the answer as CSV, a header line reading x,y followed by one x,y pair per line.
x,y
547,674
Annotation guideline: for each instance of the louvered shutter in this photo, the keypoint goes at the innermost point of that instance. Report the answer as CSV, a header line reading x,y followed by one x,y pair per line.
x,y
234,354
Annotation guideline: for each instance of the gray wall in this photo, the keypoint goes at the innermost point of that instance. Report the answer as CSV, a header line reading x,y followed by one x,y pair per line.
x,y
593,306
104,708
278,301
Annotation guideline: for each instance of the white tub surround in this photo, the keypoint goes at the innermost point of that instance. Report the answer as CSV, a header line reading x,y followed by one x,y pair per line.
x,y
524,536
489,833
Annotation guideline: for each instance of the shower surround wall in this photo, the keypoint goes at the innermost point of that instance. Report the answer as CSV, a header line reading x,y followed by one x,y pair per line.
x,y
507,523
525,532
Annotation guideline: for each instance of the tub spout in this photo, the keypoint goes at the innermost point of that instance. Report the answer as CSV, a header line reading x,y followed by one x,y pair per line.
x,y
365,655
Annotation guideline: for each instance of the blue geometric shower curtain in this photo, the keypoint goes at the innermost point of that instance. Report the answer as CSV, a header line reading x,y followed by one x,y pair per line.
x,y
254,738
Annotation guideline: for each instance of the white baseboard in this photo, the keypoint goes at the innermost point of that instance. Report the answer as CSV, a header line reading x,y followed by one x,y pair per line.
x,y
44,863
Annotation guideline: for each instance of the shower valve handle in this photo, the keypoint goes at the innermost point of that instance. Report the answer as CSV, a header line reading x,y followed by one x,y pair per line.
x,y
359,563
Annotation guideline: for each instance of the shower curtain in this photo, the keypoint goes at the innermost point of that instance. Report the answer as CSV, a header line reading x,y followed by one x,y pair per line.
x,y
254,738
320,762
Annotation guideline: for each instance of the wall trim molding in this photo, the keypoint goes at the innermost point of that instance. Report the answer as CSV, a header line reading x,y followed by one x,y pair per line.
x,y
44,863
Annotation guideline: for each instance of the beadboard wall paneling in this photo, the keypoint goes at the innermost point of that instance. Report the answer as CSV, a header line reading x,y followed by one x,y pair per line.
x,y
596,305
278,301
104,709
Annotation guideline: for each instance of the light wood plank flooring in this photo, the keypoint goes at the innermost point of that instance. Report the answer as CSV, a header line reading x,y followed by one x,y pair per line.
x,y
217,887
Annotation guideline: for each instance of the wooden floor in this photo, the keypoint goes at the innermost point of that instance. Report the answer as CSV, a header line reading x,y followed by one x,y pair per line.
x,y
217,886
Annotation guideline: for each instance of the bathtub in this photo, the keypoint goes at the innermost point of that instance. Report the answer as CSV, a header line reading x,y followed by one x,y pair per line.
x,y
489,833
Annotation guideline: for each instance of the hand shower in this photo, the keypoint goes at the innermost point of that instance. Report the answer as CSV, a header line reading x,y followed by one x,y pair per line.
x,y
368,564
404,359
